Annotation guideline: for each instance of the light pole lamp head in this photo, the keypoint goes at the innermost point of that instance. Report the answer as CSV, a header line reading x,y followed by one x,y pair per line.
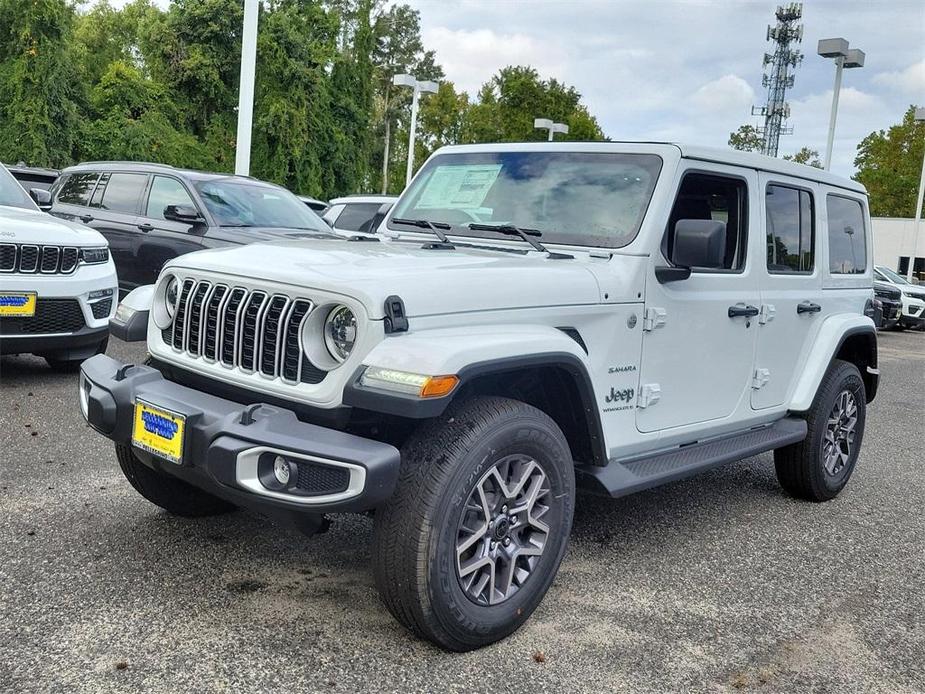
x,y
854,58
543,123
920,113
425,87
560,128
404,80
832,48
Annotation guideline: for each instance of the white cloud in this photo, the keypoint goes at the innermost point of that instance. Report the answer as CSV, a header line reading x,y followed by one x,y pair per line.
x,y
728,93
910,81
470,58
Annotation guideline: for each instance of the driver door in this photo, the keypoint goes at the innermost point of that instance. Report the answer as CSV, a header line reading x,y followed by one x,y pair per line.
x,y
696,356
161,239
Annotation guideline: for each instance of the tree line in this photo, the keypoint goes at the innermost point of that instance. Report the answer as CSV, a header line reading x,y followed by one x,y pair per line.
x,y
142,82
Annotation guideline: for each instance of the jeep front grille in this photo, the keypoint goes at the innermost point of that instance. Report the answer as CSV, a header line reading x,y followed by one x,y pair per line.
x,y
31,259
248,330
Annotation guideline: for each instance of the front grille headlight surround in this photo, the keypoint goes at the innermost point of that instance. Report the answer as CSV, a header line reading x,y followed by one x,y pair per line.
x,y
166,298
330,334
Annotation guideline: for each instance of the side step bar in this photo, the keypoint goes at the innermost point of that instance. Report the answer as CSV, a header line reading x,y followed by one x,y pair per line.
x,y
619,478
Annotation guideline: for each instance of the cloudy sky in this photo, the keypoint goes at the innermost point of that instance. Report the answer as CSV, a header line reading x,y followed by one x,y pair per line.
x,y
690,70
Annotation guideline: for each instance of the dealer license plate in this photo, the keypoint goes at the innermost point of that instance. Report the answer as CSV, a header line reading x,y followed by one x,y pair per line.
x,y
159,431
17,304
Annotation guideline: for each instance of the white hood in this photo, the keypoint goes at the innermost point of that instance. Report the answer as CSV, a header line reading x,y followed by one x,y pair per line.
x,y
19,225
429,281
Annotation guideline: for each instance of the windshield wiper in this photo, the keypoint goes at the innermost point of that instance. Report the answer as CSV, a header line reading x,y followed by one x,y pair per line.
x,y
435,227
528,235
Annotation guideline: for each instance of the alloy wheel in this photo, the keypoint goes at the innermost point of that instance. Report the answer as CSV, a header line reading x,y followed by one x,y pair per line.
x,y
840,430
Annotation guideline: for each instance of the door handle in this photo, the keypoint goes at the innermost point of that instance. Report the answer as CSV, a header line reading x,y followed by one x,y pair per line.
x,y
743,310
808,307
145,227
86,218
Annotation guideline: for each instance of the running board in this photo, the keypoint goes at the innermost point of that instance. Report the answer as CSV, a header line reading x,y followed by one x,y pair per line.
x,y
619,478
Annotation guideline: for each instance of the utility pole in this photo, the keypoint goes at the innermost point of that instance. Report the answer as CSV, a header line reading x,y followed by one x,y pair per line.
x,y
242,154
919,117
419,87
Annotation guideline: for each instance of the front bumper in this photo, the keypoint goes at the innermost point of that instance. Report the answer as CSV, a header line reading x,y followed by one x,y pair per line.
x,y
78,345
224,439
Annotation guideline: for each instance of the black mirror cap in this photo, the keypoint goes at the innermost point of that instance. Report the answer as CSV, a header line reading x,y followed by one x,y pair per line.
x,y
183,213
669,273
699,243
41,197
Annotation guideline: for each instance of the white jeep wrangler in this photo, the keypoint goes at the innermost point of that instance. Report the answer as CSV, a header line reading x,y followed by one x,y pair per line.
x,y
532,319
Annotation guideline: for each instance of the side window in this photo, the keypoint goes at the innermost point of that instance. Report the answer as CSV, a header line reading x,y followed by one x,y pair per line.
x,y
357,216
124,191
166,191
790,229
77,188
847,240
722,199
97,198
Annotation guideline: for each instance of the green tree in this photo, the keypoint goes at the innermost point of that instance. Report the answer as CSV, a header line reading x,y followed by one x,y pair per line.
x,y
40,93
746,138
889,165
805,155
509,102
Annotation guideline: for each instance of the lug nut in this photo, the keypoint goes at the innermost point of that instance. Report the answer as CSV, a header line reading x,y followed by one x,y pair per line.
x,y
507,541
493,546
504,509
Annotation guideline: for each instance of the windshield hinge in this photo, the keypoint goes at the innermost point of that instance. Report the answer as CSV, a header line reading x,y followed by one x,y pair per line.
x,y
653,318
396,320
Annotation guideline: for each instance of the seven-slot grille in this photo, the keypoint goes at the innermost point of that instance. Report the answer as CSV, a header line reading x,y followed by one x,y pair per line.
x,y
251,330
30,259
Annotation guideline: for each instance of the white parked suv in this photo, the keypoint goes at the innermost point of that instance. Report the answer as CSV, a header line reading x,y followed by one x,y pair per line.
x,y
536,318
57,282
912,313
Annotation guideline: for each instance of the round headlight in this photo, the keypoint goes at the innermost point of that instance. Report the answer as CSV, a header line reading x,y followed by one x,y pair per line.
x,y
172,296
340,332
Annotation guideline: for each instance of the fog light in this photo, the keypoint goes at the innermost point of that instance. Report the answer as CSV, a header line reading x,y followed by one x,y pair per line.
x,y
281,470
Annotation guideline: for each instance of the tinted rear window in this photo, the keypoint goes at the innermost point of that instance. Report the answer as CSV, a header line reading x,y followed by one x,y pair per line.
x,y
77,188
124,191
357,216
847,241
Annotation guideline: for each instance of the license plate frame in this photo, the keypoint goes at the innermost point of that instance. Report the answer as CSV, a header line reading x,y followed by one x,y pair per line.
x,y
18,304
150,433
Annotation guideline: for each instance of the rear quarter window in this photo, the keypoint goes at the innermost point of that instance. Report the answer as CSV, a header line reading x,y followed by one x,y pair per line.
x,y
77,188
847,237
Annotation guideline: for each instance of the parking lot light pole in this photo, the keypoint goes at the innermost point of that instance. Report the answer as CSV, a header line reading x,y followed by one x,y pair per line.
x,y
844,58
547,124
242,152
919,117
419,87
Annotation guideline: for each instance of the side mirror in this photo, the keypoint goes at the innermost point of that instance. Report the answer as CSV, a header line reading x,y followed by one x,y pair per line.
x,y
379,216
187,214
697,243
41,197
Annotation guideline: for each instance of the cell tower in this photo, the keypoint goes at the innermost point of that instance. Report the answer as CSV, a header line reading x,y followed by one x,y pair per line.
x,y
778,78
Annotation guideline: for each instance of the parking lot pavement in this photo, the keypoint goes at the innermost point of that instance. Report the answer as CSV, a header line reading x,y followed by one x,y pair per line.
x,y
720,583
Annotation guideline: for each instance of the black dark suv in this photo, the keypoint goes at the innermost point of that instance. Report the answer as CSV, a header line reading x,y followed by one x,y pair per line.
x,y
151,213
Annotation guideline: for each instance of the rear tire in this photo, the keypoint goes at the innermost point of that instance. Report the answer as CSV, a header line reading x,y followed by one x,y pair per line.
x,y
170,493
818,467
460,553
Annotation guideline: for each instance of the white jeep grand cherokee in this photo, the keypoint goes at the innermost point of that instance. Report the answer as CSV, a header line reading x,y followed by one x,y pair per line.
x,y
534,318
57,282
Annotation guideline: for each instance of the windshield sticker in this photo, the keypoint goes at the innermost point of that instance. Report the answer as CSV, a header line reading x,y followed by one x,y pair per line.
x,y
459,187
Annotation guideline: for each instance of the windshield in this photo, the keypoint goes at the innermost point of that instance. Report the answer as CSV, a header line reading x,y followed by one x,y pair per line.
x,y
238,203
582,198
892,276
12,194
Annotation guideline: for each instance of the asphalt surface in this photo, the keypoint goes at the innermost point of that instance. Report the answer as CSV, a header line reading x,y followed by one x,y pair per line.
x,y
720,583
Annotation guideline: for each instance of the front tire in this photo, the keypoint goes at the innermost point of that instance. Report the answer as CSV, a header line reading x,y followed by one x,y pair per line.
x,y
818,467
472,538
170,493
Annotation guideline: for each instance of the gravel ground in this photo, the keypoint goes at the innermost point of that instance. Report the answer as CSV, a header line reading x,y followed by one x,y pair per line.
x,y
720,583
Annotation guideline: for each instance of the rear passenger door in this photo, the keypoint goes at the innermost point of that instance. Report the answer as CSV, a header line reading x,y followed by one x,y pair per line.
x,y
114,213
790,283
162,239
